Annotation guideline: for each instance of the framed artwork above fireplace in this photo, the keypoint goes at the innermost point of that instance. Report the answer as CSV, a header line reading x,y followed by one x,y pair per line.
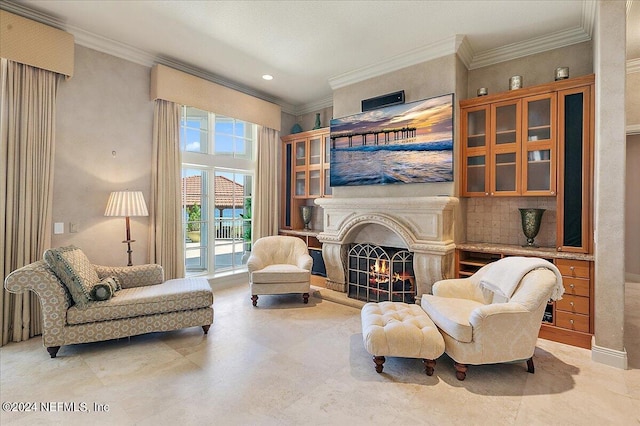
x,y
408,143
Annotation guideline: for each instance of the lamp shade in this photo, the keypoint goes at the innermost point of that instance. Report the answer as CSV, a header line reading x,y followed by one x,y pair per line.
x,y
126,203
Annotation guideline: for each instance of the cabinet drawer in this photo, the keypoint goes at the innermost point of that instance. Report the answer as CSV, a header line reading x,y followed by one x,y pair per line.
x,y
575,304
571,321
576,286
573,268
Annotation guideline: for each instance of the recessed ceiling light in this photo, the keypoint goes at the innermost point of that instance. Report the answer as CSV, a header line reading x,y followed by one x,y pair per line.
x,y
267,77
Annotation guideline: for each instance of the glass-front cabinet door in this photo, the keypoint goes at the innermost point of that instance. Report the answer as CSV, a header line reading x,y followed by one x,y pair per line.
x,y
539,145
475,127
300,169
505,147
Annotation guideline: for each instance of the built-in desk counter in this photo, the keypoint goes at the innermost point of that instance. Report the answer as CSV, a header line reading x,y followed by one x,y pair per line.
x,y
569,320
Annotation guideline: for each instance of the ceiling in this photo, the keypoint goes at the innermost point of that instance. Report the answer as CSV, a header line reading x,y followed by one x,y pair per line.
x,y
313,47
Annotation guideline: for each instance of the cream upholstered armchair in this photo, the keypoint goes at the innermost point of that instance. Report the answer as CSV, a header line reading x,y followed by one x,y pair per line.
x,y
279,265
495,315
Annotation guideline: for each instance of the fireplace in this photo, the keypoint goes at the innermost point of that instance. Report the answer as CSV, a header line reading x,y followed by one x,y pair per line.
x,y
421,226
379,274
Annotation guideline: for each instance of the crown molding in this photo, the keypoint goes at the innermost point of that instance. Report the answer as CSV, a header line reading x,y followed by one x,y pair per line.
x,y
464,51
629,4
633,129
426,53
633,65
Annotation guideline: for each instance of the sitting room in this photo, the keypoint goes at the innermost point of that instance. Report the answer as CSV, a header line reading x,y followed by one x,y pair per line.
x,y
290,212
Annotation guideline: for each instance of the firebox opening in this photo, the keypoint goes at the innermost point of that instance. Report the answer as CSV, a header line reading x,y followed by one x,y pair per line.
x,y
378,274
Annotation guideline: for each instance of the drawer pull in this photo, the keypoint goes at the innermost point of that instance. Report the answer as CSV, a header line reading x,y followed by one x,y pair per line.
x,y
571,321
572,268
572,286
571,303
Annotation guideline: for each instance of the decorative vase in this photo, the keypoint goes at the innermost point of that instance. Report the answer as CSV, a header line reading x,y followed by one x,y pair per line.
x,y
531,219
318,124
306,215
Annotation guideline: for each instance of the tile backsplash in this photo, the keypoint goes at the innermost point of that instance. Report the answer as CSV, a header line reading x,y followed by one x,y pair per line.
x,y
497,220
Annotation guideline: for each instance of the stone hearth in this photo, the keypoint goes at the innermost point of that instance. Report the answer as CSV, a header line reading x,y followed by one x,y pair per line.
x,y
422,225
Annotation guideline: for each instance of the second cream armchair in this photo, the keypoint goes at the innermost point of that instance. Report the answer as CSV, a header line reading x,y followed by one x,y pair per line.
x,y
279,265
478,329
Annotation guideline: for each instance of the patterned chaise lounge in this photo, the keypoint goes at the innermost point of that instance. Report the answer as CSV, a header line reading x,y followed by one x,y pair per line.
x,y
84,303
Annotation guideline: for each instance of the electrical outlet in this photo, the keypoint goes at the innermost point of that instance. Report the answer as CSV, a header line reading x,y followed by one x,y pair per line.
x,y
73,227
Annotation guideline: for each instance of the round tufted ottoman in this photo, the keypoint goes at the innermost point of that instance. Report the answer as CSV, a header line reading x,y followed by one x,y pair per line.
x,y
402,330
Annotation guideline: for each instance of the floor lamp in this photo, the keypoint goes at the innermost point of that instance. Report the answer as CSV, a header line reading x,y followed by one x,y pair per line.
x,y
127,203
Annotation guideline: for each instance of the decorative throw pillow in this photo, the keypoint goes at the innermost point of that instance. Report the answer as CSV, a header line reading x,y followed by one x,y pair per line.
x,y
101,291
114,282
73,268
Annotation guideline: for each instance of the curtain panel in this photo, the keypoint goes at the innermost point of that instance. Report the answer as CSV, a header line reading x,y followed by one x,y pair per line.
x,y
266,192
27,133
166,246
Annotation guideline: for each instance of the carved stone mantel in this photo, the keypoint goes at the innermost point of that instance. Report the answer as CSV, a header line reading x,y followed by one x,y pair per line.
x,y
424,225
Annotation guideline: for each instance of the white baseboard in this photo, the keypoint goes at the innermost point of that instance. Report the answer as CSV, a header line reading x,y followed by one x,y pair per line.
x,y
610,357
634,278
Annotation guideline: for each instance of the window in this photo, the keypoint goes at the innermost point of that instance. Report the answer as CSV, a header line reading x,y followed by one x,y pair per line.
x,y
217,185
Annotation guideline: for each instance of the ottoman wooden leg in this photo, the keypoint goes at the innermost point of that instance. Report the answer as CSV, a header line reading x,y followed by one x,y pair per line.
x,y
305,297
461,370
429,365
379,360
254,300
205,328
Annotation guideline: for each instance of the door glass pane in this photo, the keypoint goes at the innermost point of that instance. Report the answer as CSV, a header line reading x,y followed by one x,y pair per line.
x,y
314,151
506,124
300,183
539,120
476,169
314,182
232,218
301,153
506,172
476,128
194,209
539,170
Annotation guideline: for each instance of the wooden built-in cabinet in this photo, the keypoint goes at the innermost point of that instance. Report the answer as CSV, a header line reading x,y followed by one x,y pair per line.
x,y
305,173
512,142
535,141
569,320
509,146
575,169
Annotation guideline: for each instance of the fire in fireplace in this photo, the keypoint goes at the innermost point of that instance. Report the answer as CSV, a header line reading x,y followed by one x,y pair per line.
x,y
377,274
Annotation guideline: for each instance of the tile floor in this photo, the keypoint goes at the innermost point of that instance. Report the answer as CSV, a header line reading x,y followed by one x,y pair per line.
x,y
286,363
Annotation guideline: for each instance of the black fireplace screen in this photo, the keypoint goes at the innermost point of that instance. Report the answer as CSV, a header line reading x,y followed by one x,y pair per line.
x,y
378,274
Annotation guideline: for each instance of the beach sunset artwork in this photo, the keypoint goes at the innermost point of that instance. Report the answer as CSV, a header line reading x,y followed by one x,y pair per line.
x,y
408,143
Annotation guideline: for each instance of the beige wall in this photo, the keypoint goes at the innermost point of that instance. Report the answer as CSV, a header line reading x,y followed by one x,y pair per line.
x,y
308,120
104,108
422,81
632,209
632,100
534,69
